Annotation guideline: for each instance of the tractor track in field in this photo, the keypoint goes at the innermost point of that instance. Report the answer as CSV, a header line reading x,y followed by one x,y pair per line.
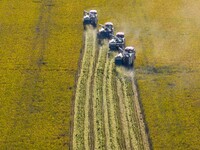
x,y
105,108
33,80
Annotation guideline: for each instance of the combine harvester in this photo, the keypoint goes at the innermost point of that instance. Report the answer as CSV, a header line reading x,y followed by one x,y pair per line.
x,y
126,57
117,41
90,18
106,31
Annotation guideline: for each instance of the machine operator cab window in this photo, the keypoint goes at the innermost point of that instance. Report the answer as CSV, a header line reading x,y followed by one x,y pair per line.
x,y
109,25
120,35
130,49
93,12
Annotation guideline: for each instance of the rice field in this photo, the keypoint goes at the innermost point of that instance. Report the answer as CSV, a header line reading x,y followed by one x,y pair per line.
x,y
37,74
168,74
40,47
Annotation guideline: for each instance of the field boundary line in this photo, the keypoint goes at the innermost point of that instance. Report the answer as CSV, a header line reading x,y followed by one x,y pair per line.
x,y
140,115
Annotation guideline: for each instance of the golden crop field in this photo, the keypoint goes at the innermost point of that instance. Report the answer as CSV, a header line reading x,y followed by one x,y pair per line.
x,y
40,45
38,66
168,73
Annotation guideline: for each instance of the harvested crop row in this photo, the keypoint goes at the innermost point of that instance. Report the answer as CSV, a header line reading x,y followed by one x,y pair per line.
x,y
111,105
81,118
134,130
98,108
105,108
88,89
124,117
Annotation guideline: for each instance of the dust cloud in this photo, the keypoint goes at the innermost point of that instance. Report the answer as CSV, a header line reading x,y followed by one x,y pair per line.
x,y
169,35
163,33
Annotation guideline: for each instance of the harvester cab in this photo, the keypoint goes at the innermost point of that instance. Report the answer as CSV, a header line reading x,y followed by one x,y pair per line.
x,y
90,18
126,56
93,18
130,50
120,39
117,41
113,43
93,12
120,35
106,31
109,26
129,56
